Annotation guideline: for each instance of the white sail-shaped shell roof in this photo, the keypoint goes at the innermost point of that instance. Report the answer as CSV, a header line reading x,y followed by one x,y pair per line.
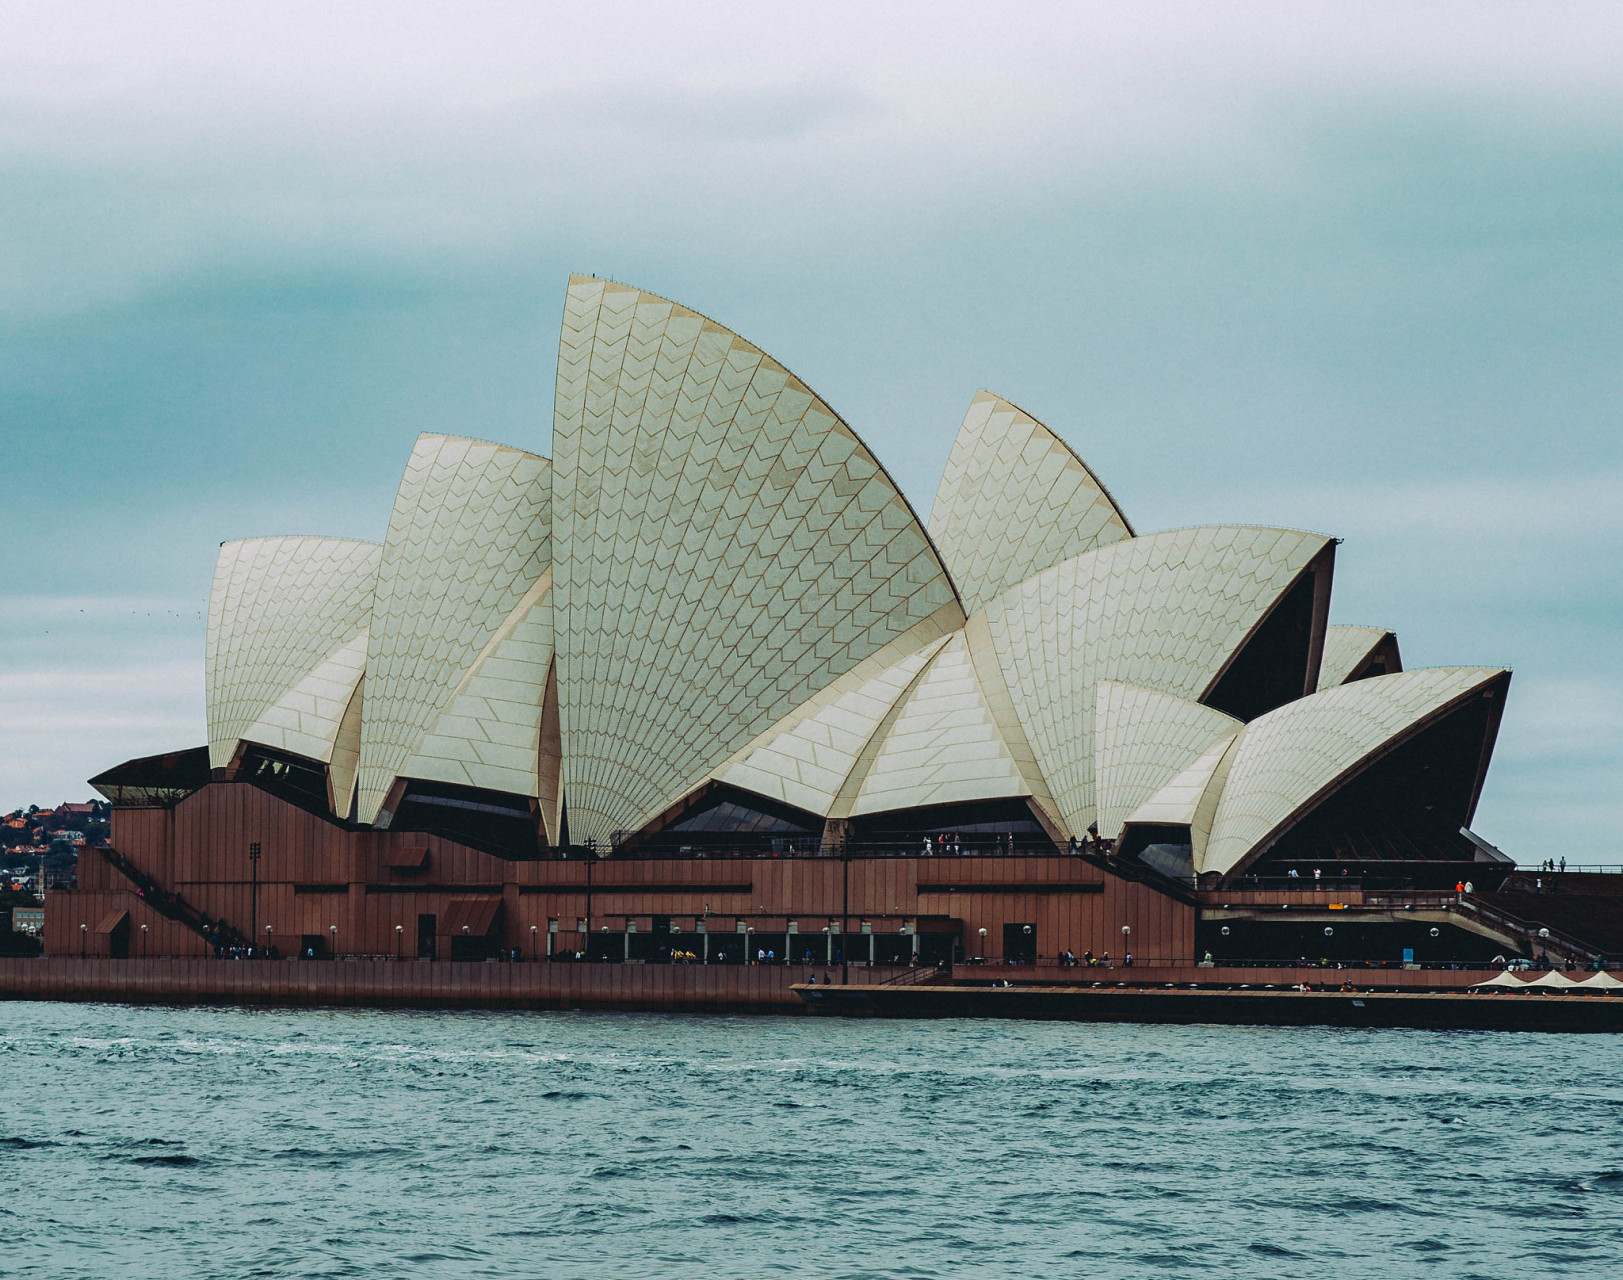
x,y
716,588
1014,500
1190,798
807,759
943,746
1165,611
469,538
282,610
305,720
1348,649
488,733
1145,739
1286,760
726,548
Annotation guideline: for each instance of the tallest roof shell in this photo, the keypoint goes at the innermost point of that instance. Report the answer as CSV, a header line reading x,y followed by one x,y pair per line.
x,y
726,547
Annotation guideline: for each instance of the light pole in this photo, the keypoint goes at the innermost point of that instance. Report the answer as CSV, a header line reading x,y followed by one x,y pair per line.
x,y
333,929
253,898
84,936
399,939
983,944
265,954
1126,933
533,931
143,942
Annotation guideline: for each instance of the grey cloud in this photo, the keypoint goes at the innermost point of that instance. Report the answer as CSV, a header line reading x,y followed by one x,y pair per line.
x,y
669,111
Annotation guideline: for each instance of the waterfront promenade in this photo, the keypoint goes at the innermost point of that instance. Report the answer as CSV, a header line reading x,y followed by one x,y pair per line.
x,y
1218,994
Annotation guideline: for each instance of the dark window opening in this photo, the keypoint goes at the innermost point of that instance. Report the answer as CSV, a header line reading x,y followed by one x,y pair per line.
x,y
975,827
491,821
288,777
313,946
1020,943
1271,669
1166,849
727,818
1399,821
427,935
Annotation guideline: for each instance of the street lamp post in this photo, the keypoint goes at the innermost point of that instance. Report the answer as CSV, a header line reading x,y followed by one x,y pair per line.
x,y
268,932
399,939
333,929
253,897
983,944
143,942
84,937
533,931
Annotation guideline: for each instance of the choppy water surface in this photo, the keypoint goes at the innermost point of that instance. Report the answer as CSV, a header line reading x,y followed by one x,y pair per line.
x,y
161,1142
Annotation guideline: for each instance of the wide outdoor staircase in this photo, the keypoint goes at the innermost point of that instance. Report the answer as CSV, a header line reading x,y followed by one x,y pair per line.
x,y
1586,907
167,903
1529,936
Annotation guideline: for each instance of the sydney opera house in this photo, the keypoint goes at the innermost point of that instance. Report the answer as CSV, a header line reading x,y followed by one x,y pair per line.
x,y
703,683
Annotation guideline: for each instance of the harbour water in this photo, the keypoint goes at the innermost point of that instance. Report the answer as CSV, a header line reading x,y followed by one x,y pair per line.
x,y
233,1143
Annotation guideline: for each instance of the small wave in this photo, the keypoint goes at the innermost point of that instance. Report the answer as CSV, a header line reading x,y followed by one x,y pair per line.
x,y
1274,1251
175,1162
23,1144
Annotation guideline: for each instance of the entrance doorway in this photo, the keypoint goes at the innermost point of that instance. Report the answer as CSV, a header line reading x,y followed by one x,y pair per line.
x,y
427,926
1020,943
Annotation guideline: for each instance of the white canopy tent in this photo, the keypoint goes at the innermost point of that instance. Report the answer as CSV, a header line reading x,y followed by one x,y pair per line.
x,y
1554,980
1506,981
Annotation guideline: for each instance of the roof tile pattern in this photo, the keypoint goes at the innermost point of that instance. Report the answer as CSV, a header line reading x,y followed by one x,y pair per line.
x,y
1014,500
469,536
1164,611
305,719
807,761
1190,799
1287,757
943,747
489,733
277,608
1345,650
727,547
1145,739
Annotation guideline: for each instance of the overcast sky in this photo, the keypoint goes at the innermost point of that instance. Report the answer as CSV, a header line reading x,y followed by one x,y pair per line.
x,y
1346,268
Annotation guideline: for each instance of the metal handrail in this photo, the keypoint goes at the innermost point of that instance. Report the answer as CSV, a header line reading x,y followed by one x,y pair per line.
x,y
171,905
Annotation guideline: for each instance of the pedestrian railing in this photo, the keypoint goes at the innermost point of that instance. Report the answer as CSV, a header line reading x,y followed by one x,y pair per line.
x,y
171,905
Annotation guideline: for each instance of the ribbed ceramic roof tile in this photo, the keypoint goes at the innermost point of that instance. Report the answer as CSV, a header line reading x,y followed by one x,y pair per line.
x,y
279,608
1015,500
1144,740
1164,611
306,718
943,746
470,536
646,389
1284,759
805,760
488,734
1346,649
1190,798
